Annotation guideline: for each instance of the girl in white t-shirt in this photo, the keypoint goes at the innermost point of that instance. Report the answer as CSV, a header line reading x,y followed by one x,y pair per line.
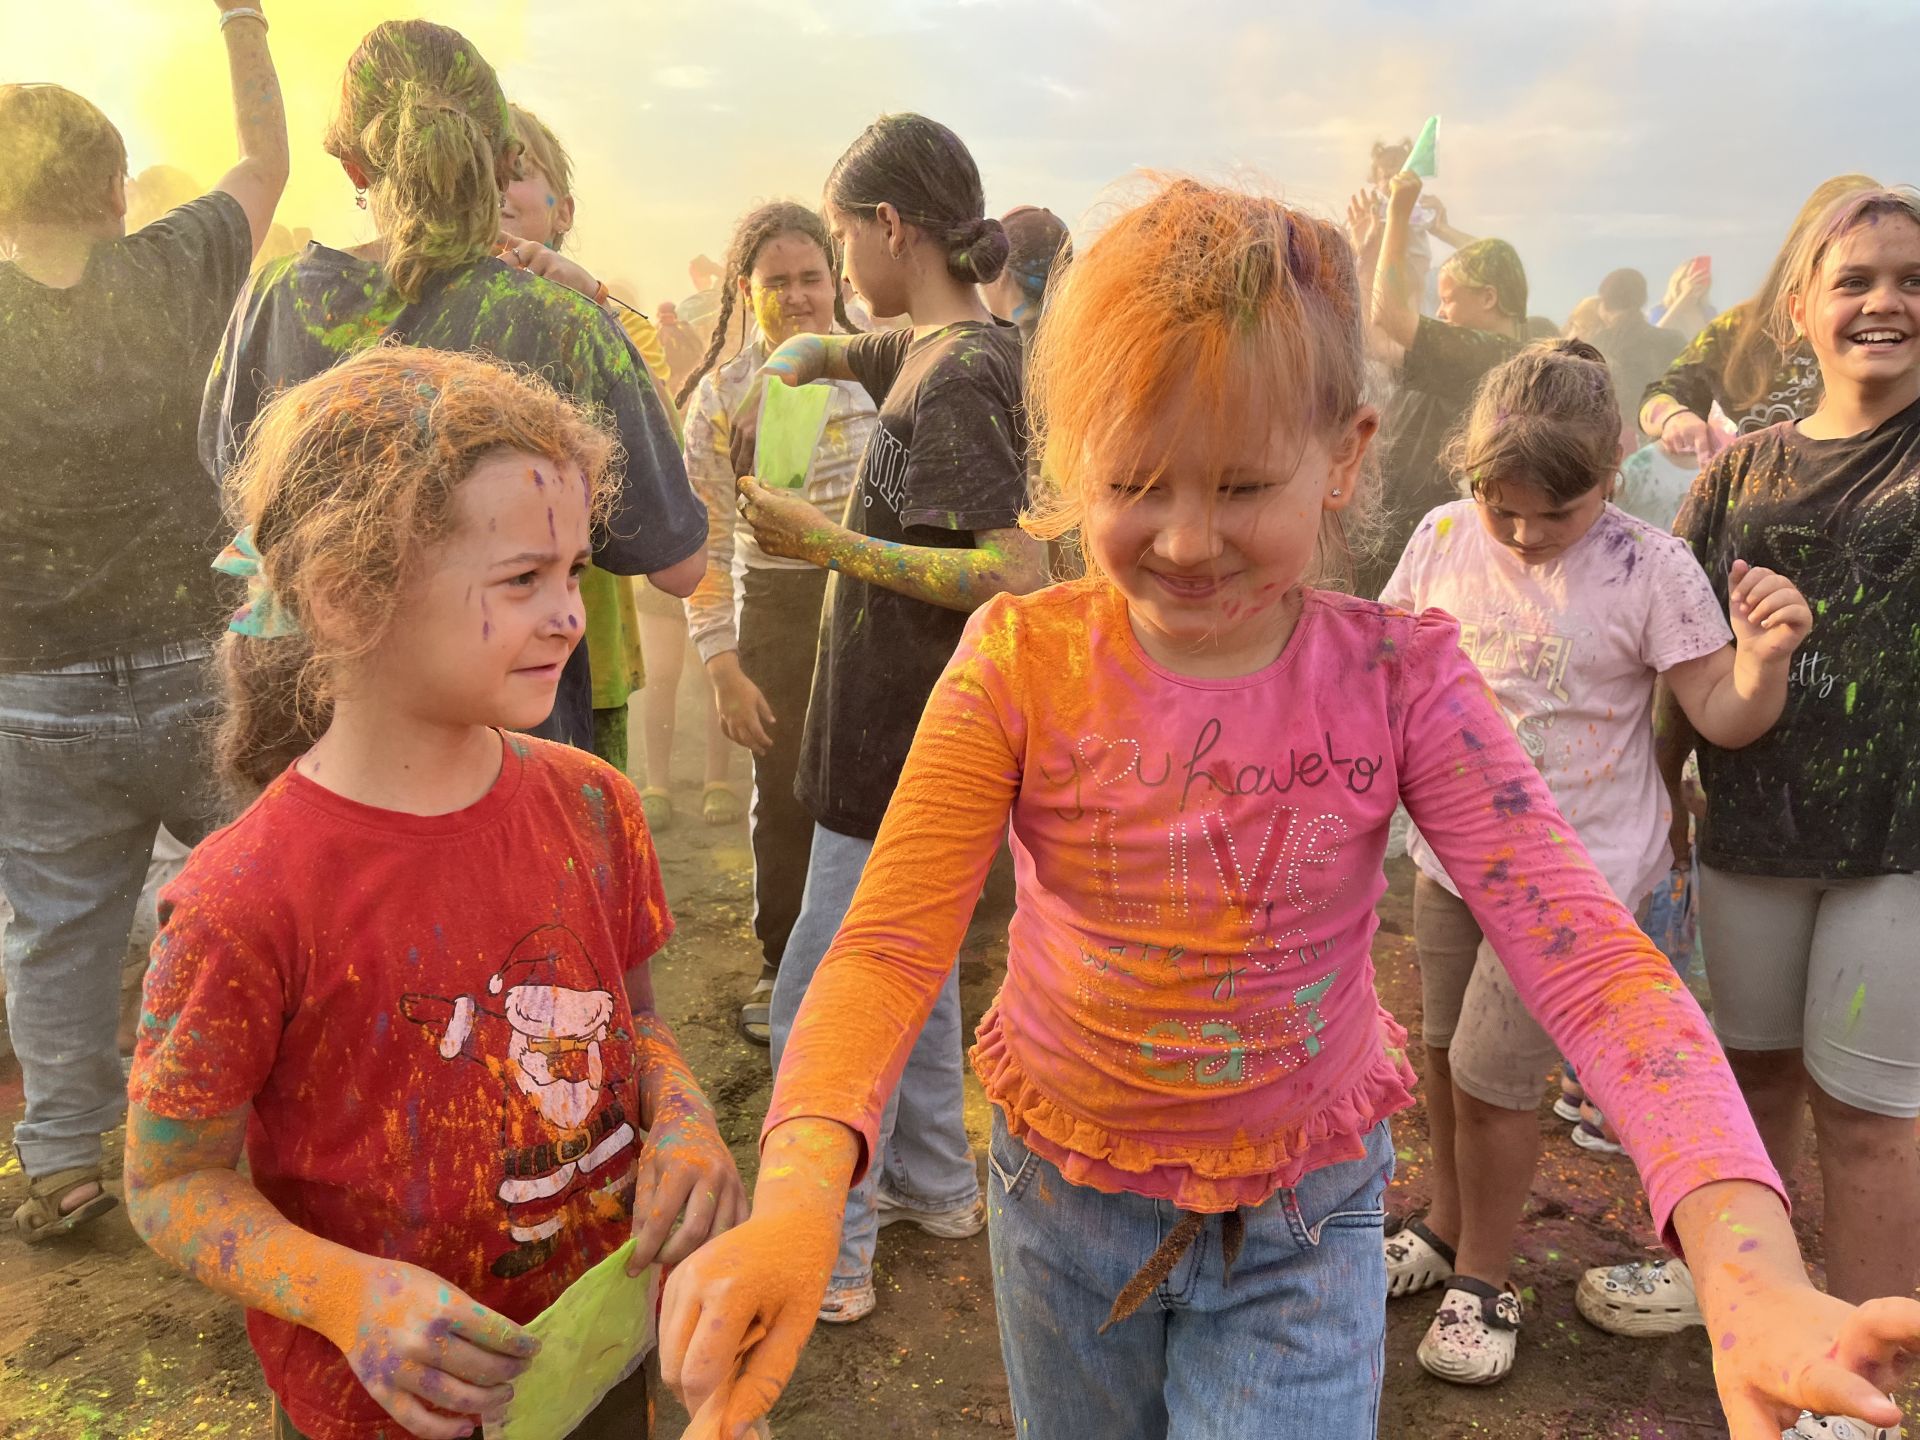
x,y
1572,609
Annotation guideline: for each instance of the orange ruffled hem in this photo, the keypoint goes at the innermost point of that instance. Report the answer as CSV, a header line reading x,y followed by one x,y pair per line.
x,y
1199,1178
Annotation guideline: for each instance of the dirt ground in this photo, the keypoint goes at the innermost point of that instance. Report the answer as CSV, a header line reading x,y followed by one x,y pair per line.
x,y
101,1341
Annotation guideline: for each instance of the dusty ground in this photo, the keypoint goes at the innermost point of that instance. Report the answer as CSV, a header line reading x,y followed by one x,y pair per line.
x,y
100,1341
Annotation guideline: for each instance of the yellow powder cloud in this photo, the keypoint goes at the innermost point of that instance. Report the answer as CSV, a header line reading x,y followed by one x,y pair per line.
x,y
159,70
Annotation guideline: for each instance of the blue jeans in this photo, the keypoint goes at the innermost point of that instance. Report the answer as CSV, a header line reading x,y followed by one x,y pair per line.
x,y
925,1159
94,758
1297,1331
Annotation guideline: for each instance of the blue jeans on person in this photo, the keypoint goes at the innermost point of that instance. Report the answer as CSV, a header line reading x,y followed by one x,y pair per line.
x,y
1291,1341
925,1160
94,758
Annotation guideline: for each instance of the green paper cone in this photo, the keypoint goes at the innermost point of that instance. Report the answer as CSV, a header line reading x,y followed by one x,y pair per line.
x,y
591,1339
1420,162
791,419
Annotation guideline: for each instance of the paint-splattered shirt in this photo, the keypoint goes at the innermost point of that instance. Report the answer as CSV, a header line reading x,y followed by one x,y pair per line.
x,y
1698,379
429,1018
1442,368
948,458
1189,1011
107,523
1570,650
1833,790
306,313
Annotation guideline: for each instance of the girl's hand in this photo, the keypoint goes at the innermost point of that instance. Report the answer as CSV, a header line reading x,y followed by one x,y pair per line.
x,y
686,1174
1770,617
1687,439
743,439
1790,1348
1363,220
745,716
736,1315
548,264
1403,192
783,523
433,1357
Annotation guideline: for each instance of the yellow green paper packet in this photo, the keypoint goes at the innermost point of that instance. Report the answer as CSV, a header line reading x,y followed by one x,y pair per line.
x,y
791,419
591,1339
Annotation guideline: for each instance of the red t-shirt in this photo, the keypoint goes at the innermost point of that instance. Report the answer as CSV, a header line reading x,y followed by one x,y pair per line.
x,y
428,1016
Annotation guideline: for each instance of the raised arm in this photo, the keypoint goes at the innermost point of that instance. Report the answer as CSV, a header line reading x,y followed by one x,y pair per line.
x,y
1395,320
260,116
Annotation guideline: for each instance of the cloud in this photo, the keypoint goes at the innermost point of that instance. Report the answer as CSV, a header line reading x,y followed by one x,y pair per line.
x,y
684,77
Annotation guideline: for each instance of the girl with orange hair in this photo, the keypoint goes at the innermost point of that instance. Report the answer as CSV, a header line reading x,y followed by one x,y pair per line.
x,y
1199,754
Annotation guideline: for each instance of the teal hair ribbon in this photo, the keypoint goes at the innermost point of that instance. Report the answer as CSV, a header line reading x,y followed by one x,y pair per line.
x,y
263,616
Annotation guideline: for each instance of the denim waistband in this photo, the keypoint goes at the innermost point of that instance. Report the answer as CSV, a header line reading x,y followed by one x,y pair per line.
x,y
178,652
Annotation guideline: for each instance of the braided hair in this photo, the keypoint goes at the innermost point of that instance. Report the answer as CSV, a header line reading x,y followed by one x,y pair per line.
x,y
750,237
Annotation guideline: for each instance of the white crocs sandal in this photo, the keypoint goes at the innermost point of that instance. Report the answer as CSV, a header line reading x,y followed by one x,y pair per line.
x,y
1645,1298
1837,1427
1474,1334
1417,1259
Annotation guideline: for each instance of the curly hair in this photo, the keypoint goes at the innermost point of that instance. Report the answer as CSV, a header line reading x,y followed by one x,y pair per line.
x,y
348,481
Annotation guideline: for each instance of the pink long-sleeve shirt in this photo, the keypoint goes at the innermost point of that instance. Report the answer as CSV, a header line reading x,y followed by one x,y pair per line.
x,y
1189,1011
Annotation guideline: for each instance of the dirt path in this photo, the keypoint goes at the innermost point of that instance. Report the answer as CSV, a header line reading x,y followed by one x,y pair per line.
x,y
99,1341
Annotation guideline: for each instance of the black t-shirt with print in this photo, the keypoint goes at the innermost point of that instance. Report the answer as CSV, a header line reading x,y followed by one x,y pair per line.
x,y
947,459
1438,376
107,522
305,314
1833,791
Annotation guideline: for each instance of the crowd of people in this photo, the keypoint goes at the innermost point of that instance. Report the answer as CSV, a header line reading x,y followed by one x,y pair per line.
x,y
1198,564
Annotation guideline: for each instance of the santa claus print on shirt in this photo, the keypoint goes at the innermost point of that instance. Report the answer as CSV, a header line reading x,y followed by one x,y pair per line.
x,y
548,1031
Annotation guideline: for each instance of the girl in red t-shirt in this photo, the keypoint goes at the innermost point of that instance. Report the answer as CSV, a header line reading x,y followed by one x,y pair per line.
x,y
411,976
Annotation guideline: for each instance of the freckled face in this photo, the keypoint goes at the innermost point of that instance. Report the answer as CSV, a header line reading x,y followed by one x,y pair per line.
x,y
1209,552
486,624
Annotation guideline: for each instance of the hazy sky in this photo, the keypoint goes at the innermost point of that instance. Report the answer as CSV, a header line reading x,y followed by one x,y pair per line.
x,y
1591,136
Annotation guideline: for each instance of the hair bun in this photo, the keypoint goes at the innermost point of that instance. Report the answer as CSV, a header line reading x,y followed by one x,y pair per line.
x,y
977,250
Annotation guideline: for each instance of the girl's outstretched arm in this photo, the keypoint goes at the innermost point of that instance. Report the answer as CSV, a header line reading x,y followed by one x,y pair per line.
x,y
1612,1003
1733,696
799,361
1395,319
1007,561
739,1310
413,1339
1779,1345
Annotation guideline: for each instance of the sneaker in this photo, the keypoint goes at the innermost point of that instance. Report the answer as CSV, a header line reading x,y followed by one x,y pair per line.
x,y
1588,1138
1647,1297
1417,1259
1568,1109
844,1306
1474,1334
1837,1427
955,1224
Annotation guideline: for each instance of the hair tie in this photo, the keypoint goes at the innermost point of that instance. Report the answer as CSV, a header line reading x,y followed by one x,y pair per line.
x,y
264,616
